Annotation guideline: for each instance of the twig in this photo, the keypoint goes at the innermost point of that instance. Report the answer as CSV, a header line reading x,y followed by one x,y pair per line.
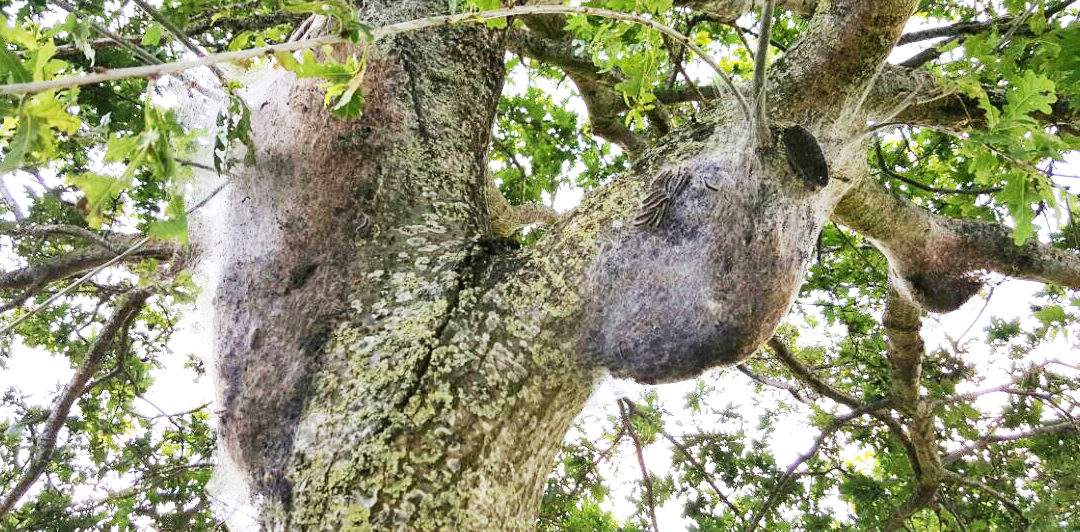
x,y
180,35
760,59
957,478
125,43
1052,427
884,167
626,407
978,316
765,381
789,473
46,442
377,34
704,474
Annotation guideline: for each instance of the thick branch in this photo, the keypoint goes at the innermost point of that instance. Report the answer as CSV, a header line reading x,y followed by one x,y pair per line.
x,y
902,322
935,260
846,45
908,96
79,261
507,219
730,10
906,350
972,28
46,443
548,43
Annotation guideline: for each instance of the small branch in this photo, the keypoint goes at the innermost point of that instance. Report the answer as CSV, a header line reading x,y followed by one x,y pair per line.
x,y
704,474
804,374
765,381
822,388
9,198
760,60
956,478
1052,427
972,28
789,473
995,389
62,230
46,441
180,35
626,408
121,41
884,167
130,251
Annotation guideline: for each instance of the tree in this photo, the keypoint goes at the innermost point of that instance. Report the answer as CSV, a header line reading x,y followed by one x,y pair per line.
x,y
393,350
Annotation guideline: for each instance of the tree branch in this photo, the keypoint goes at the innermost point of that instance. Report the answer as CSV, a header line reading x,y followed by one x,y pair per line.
x,y
973,28
821,387
46,442
884,167
956,478
24,230
906,350
844,48
507,219
774,383
552,45
902,322
180,35
626,408
907,96
1052,427
704,474
81,260
935,260
789,473
728,11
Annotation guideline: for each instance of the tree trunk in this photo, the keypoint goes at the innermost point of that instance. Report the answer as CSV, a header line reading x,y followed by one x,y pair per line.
x,y
385,363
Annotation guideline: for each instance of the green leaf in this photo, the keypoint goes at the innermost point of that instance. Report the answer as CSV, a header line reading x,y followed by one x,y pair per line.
x,y
11,68
152,37
80,34
18,146
1018,196
99,191
1031,93
175,226
1051,315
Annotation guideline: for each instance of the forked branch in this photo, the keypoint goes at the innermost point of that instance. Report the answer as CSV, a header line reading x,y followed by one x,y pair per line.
x,y
46,442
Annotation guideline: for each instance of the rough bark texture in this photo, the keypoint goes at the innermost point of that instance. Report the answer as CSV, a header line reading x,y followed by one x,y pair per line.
x,y
386,362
